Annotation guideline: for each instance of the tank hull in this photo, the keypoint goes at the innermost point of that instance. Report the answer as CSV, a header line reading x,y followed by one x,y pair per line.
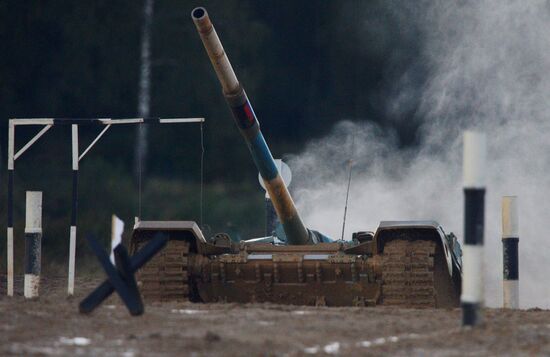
x,y
408,269
290,275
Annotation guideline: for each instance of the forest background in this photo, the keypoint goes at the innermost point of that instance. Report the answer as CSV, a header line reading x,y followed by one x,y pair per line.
x,y
306,66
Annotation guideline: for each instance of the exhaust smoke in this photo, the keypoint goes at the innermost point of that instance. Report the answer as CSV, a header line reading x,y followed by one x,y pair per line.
x,y
488,69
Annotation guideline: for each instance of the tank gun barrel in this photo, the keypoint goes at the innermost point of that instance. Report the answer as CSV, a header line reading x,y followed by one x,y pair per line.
x,y
248,125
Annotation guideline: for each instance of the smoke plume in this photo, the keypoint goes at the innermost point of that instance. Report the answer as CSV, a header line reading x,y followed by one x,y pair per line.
x,y
488,68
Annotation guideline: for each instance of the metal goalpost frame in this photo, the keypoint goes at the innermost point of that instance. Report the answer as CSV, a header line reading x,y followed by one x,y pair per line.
x,y
47,123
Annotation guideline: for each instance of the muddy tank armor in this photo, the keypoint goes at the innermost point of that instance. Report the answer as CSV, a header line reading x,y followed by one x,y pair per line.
x,y
405,263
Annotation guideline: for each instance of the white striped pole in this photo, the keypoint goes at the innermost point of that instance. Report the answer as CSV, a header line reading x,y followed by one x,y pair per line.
x,y
74,207
33,243
510,258
474,210
11,166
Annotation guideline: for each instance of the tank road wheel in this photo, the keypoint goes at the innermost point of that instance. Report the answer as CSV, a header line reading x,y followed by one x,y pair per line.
x,y
165,277
408,273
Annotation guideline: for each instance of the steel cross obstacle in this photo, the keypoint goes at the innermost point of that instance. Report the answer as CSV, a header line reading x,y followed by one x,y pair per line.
x,y
121,276
47,123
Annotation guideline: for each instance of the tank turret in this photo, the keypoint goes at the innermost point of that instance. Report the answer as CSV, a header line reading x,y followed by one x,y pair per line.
x,y
245,118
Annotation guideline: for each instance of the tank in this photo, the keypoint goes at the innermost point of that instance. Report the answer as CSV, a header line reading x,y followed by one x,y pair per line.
x,y
405,263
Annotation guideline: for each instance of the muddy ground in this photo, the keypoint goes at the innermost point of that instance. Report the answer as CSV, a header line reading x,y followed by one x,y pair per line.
x,y
52,325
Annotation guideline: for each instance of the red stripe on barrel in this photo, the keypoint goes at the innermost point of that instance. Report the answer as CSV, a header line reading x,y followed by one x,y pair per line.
x,y
244,115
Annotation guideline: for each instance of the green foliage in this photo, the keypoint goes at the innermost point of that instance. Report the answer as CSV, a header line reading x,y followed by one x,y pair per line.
x,y
304,64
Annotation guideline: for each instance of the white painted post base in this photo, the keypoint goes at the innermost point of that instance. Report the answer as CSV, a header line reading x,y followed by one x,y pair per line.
x,y
72,253
32,285
510,294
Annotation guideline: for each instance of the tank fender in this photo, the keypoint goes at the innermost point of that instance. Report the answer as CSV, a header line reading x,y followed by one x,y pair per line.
x,y
179,230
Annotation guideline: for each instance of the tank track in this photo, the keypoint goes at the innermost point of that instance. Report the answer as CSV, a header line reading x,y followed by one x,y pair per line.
x,y
408,273
165,277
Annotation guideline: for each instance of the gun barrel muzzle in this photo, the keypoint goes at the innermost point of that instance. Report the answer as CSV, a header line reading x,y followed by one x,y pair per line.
x,y
215,50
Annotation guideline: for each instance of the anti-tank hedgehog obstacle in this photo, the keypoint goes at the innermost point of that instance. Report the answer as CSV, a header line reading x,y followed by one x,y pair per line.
x,y
120,275
47,124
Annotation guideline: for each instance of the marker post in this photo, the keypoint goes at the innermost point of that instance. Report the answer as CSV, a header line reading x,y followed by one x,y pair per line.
x,y
474,211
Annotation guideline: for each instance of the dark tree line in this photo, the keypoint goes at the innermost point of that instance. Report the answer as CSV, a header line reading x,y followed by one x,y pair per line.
x,y
304,64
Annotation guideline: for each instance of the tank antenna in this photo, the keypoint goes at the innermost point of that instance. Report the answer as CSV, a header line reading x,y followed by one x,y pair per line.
x,y
350,165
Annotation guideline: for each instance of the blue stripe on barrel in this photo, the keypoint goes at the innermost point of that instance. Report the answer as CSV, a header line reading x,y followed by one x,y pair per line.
x,y
246,119
262,157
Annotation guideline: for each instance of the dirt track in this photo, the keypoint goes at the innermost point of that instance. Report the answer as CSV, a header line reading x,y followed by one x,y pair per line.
x,y
53,326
